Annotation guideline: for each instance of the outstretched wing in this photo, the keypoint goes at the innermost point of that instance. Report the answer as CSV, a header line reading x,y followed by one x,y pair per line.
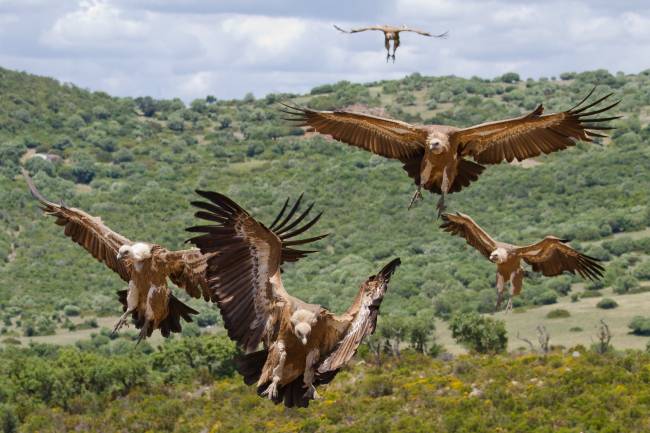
x,y
86,230
360,29
462,225
244,272
532,134
385,137
362,319
187,269
552,256
423,33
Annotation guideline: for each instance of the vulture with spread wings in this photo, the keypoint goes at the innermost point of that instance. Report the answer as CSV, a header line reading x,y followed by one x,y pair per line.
x,y
551,256
436,157
391,33
303,345
144,266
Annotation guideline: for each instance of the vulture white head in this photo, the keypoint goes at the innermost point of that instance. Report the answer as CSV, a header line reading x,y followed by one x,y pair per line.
x,y
437,142
302,321
500,255
137,252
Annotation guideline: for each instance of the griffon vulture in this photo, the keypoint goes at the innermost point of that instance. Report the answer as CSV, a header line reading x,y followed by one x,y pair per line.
x,y
304,345
144,266
551,256
391,33
436,156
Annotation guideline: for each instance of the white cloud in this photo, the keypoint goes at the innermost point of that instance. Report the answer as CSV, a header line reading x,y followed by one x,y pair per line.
x,y
259,38
190,48
95,24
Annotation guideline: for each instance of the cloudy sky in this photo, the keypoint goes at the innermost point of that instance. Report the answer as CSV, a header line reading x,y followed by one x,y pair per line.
x,y
192,48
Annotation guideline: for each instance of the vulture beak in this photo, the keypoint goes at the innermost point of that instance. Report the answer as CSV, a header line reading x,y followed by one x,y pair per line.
x,y
304,341
119,256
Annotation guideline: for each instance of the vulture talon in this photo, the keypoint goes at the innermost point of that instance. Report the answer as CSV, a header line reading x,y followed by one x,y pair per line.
x,y
508,306
122,321
311,393
271,392
417,195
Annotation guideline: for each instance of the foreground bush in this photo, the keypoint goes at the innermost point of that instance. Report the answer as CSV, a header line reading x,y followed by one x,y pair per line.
x,y
529,393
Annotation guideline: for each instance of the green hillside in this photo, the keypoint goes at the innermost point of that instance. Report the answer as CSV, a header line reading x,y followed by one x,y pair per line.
x,y
136,162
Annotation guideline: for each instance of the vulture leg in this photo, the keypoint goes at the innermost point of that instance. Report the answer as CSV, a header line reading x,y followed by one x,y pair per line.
x,y
387,45
395,45
416,196
272,391
122,320
308,376
501,283
509,305
131,305
516,282
444,188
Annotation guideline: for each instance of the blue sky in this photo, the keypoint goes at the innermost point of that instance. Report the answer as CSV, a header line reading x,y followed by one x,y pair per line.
x,y
192,48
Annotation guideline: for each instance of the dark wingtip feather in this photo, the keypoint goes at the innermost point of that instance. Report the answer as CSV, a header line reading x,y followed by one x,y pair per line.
x,y
387,271
33,190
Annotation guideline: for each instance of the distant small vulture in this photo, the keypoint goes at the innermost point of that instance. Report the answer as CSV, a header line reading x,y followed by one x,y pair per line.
x,y
143,265
435,155
391,33
551,256
304,345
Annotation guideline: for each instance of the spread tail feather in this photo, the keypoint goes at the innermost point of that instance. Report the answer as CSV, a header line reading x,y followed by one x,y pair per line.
x,y
250,365
468,172
177,310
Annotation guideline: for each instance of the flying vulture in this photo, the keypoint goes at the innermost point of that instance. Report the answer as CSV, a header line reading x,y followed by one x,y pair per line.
x,y
436,156
391,33
303,345
144,266
551,256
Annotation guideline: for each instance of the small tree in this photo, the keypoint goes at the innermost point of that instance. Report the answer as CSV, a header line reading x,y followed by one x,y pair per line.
x,y
510,77
604,337
479,333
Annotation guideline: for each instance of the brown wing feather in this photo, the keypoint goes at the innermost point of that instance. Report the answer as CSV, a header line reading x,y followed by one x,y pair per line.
x,y
362,319
462,225
385,137
533,134
552,256
360,29
188,270
247,256
423,33
86,230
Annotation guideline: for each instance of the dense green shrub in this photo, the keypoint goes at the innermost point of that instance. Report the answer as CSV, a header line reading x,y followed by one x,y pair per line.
x,y
71,310
479,333
625,284
607,304
558,314
545,298
640,325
